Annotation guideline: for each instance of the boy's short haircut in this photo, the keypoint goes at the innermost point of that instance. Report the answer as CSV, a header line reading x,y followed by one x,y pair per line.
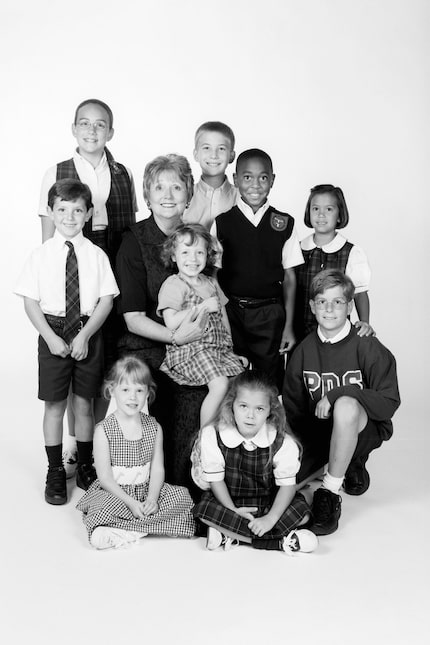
x,y
173,163
215,126
101,104
330,278
254,153
322,189
69,190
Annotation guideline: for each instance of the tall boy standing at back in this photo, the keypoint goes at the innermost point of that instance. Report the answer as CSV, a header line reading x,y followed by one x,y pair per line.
x,y
213,194
260,251
340,392
68,287
114,199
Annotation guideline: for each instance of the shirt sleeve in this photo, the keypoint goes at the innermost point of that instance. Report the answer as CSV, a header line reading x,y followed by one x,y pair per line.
x,y
48,180
132,277
358,269
27,284
171,295
286,463
108,285
213,463
291,252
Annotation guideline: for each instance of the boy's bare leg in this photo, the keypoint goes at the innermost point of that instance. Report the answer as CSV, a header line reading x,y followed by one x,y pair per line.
x,y
53,422
349,419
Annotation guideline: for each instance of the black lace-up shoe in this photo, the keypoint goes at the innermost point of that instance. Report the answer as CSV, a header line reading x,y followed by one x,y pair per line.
x,y
357,479
85,475
326,511
56,488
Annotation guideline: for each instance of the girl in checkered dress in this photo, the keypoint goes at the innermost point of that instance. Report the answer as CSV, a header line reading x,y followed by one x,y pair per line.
x,y
209,360
248,460
130,500
325,248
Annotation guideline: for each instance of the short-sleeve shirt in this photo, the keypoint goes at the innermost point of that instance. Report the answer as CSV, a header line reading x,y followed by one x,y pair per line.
x,y
174,291
286,462
43,276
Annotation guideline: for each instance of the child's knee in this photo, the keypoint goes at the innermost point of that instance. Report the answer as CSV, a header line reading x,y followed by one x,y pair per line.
x,y
55,409
348,410
82,407
218,385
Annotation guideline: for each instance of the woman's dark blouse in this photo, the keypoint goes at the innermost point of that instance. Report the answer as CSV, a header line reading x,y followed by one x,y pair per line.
x,y
140,274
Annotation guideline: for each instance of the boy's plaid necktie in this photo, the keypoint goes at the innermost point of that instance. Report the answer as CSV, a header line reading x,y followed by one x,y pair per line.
x,y
73,305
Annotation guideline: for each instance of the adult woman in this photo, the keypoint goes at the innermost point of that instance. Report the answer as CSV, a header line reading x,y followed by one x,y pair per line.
x,y
167,189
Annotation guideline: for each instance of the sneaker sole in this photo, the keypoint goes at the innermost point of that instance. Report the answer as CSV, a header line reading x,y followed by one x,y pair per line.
x,y
55,501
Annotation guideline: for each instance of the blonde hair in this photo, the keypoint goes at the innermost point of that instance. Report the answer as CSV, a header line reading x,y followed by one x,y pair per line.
x,y
133,369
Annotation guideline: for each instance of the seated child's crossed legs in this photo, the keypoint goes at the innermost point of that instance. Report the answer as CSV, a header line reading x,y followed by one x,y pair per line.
x,y
217,389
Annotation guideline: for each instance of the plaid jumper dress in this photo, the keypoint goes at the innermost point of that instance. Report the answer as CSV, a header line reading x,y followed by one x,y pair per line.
x,y
315,261
101,508
202,360
250,482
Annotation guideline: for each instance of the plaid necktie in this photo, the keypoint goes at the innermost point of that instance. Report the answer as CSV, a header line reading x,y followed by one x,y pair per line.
x,y
73,306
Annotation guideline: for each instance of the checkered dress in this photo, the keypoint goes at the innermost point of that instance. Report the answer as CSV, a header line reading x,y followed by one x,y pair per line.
x,y
201,361
250,481
101,508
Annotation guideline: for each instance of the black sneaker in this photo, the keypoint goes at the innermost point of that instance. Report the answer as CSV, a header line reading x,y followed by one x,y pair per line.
x,y
326,511
85,475
357,479
56,487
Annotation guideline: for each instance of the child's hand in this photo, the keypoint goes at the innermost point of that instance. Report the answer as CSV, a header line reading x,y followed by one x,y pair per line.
x,y
79,347
58,347
288,340
246,511
211,305
364,329
260,525
136,508
323,407
150,506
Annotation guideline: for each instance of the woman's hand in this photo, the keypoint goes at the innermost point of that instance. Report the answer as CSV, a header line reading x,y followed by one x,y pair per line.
x,y
192,327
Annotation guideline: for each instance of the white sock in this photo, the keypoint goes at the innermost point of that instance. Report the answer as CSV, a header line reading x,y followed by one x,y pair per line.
x,y
331,483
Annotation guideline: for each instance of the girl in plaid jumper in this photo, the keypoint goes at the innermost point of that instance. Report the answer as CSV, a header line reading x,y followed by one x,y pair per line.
x,y
209,360
130,500
248,460
325,248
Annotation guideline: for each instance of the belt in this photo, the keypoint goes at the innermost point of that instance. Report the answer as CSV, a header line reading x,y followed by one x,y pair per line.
x,y
254,303
57,322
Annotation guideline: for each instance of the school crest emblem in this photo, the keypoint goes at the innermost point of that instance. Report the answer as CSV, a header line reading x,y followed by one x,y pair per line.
x,y
278,222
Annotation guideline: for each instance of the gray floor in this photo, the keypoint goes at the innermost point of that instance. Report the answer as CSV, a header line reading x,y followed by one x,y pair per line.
x,y
367,583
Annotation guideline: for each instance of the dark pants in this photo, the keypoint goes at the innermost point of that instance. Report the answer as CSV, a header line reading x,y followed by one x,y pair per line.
x,y
257,334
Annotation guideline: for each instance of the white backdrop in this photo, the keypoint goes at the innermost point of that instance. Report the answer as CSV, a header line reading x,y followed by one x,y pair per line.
x,y
335,90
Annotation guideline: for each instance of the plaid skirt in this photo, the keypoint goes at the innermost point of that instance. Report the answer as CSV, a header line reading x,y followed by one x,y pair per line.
x,y
209,510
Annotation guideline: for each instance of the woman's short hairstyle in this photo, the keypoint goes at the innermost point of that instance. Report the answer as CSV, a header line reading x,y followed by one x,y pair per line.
x,y
330,278
171,163
193,232
132,369
101,104
69,190
323,189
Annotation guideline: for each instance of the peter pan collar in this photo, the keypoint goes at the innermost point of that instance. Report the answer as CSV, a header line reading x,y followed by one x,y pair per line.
x,y
232,438
337,243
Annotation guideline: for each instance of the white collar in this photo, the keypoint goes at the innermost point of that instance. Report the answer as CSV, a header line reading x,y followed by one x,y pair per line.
x,y
337,243
343,333
232,438
102,164
255,218
206,189
60,241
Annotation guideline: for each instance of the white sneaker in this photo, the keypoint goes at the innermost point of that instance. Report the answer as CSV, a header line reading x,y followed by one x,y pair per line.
x,y
70,462
106,537
215,539
299,540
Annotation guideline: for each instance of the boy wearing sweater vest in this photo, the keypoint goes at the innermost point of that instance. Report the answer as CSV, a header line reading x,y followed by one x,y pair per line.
x,y
340,392
260,251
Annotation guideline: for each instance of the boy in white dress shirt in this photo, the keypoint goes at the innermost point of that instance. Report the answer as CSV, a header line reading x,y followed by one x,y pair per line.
x,y
74,359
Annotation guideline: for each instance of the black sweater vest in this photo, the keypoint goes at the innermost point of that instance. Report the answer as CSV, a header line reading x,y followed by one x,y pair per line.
x,y
252,255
